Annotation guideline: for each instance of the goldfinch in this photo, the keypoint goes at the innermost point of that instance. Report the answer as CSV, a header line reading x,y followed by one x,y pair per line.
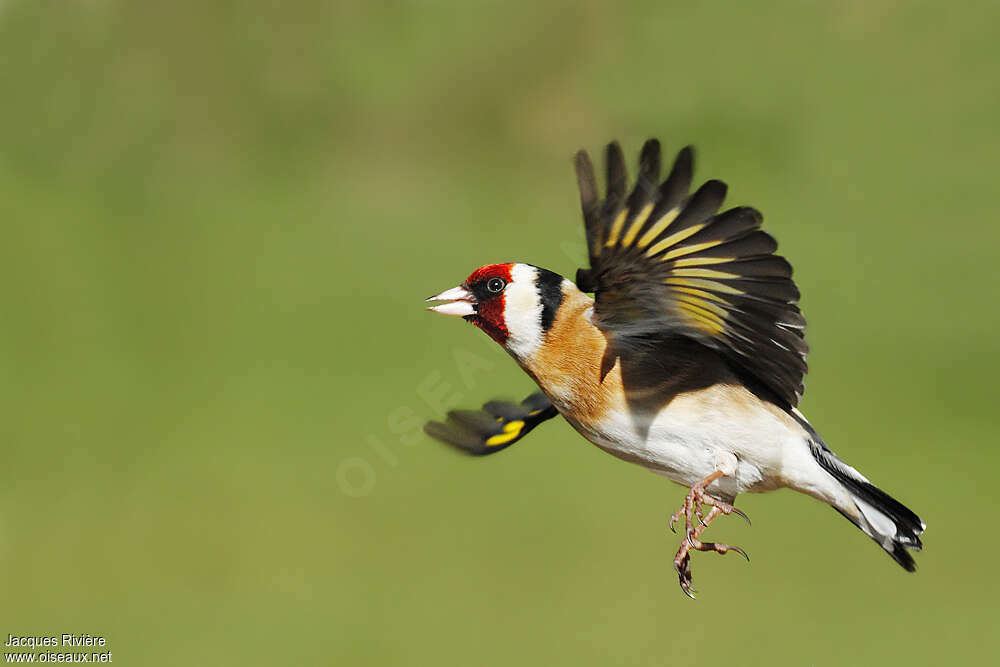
x,y
689,359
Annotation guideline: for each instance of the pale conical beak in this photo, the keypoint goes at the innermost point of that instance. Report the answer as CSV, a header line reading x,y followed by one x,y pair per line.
x,y
461,302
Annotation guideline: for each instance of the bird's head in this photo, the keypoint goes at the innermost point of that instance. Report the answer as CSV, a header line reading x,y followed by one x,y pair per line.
x,y
514,303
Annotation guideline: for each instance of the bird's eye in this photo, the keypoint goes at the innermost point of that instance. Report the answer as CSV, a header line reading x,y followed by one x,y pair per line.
x,y
495,285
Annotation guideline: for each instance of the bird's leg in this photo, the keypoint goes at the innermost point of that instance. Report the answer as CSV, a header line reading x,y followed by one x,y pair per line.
x,y
682,561
695,498
691,509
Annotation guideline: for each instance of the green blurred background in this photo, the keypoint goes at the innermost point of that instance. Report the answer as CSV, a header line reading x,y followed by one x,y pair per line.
x,y
219,222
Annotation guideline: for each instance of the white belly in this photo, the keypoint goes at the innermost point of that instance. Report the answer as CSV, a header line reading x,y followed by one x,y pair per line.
x,y
699,433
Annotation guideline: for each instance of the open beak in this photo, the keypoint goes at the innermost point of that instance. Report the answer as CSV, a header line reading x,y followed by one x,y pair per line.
x,y
461,303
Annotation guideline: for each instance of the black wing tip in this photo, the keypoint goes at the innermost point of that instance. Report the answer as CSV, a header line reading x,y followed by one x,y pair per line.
x,y
537,401
582,162
648,178
650,150
471,431
464,441
748,211
650,164
649,154
651,147
585,178
617,173
615,159
684,161
714,188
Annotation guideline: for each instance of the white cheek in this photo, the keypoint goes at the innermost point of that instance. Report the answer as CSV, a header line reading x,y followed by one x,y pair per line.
x,y
523,312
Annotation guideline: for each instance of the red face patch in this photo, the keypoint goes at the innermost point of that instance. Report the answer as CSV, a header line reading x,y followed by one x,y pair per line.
x,y
490,271
490,305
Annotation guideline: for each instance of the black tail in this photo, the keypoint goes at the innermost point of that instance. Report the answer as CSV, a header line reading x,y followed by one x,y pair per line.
x,y
892,525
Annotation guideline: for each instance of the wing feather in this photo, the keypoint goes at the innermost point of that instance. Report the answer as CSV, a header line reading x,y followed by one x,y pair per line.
x,y
497,426
666,262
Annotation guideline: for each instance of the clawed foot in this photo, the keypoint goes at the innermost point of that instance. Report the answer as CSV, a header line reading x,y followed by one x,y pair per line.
x,y
691,509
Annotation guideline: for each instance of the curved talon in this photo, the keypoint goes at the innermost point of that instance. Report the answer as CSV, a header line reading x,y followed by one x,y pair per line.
x,y
684,577
701,518
726,508
721,548
742,515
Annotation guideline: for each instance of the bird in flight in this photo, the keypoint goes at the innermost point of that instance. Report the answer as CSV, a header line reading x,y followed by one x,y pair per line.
x,y
688,360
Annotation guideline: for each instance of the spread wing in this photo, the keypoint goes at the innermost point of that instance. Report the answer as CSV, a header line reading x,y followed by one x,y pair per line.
x,y
664,262
497,426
